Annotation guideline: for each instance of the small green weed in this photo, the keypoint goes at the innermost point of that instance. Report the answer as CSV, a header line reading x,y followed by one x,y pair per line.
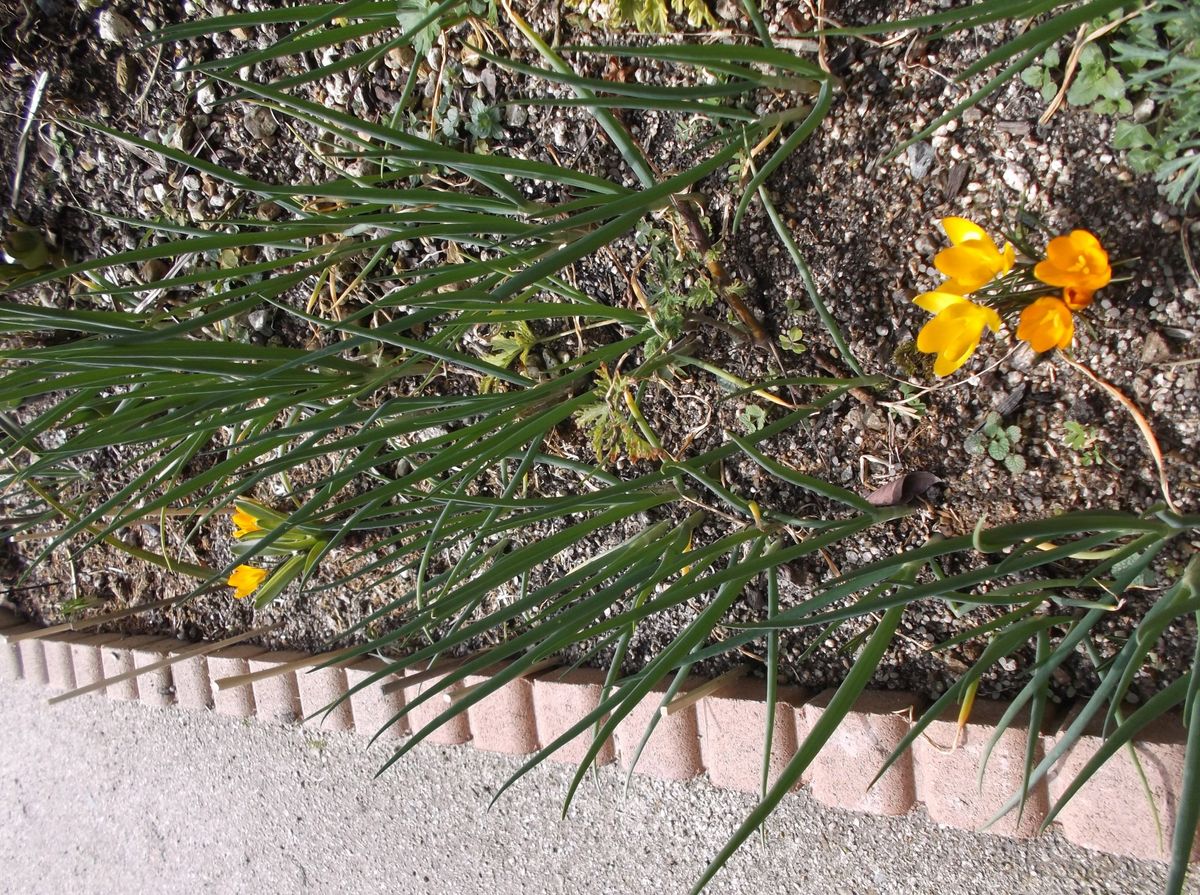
x,y
611,422
998,442
78,605
752,418
1097,82
672,286
1084,441
793,341
654,16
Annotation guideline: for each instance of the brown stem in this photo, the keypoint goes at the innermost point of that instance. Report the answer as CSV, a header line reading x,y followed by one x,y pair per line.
x,y
721,278
1142,424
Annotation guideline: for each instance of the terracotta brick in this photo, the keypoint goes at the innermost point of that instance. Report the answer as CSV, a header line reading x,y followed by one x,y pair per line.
x,y
87,661
318,688
1090,820
372,708
59,669
504,721
155,687
947,778
232,661
190,679
276,698
33,662
732,723
456,730
857,750
117,656
10,653
561,700
673,750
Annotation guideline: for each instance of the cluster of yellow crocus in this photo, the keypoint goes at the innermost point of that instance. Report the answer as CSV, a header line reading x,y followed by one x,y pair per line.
x,y
253,521
245,579
971,262
1076,263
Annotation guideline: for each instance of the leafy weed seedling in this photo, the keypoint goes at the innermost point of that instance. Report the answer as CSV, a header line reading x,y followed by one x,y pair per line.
x,y
998,442
1084,441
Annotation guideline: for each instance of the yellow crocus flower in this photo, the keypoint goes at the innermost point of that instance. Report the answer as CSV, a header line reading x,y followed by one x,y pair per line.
x,y
1075,261
972,260
954,332
1046,324
244,524
245,580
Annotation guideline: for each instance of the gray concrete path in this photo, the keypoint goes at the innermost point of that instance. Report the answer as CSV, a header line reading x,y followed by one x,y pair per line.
x,y
103,797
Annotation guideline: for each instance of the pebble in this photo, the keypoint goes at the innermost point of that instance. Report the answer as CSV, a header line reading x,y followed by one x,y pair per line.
x,y
114,28
1016,178
259,123
206,96
920,159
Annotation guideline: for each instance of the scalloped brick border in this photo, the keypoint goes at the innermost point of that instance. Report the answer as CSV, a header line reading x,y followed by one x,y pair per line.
x,y
717,731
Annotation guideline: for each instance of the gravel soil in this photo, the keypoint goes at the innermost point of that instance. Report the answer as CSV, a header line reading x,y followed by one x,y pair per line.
x,y
867,227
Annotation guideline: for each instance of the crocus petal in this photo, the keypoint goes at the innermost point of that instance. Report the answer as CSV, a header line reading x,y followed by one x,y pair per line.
x,y
245,580
937,301
970,264
1046,324
990,318
960,230
1075,260
1075,298
1008,257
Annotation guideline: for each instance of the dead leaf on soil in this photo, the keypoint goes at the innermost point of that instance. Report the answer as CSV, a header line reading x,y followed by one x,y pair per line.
x,y
903,489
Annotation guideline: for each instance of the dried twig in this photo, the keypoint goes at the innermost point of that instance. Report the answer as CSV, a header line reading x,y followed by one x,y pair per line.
x,y
1142,424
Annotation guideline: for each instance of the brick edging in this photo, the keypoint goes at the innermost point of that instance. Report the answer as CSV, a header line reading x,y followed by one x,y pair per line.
x,y
720,734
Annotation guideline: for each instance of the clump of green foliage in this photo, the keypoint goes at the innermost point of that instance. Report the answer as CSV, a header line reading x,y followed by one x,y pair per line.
x,y
654,16
448,511
998,442
1163,53
672,284
1154,67
1097,83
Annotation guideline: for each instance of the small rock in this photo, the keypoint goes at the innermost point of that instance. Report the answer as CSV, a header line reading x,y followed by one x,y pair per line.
x,y
1155,348
260,321
259,123
488,79
1016,178
206,97
399,57
728,10
1023,358
114,28
153,270
920,159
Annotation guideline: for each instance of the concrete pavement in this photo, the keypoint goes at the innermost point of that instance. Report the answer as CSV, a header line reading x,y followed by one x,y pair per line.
x,y
105,797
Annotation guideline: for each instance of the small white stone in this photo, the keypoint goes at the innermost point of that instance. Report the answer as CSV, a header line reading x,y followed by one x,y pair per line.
x,y
114,28
1016,178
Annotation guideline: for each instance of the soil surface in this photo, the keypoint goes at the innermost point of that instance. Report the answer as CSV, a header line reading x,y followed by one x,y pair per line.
x,y
867,227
